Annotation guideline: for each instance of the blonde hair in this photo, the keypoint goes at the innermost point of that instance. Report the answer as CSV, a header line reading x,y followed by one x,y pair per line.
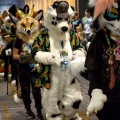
x,y
101,6
82,35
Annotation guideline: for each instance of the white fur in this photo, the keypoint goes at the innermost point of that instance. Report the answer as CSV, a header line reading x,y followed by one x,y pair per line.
x,y
17,99
45,57
77,66
13,83
8,52
92,3
61,88
76,115
87,45
112,25
97,101
81,52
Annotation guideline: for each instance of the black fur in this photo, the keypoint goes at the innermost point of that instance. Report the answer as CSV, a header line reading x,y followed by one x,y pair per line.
x,y
76,104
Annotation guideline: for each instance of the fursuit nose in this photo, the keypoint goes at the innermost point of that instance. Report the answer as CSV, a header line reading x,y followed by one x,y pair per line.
x,y
28,31
64,29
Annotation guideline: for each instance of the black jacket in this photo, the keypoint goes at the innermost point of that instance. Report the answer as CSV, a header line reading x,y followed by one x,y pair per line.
x,y
98,68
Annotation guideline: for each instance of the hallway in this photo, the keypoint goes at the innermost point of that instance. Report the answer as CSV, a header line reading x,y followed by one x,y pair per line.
x,y
9,110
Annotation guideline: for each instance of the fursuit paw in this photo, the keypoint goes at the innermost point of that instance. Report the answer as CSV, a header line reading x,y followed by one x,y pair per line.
x,y
8,52
79,53
46,58
17,99
13,83
97,101
77,66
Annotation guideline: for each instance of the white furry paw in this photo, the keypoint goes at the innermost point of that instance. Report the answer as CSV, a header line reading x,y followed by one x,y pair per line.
x,y
79,53
97,101
45,57
13,83
8,52
17,99
77,65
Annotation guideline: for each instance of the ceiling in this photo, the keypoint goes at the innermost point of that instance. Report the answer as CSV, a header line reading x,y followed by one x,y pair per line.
x,y
3,2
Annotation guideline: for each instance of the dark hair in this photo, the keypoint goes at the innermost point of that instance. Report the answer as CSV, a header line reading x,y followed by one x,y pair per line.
x,y
87,10
91,26
26,6
73,8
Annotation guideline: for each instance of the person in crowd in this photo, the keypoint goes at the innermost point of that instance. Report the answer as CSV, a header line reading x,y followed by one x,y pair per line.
x,y
91,35
26,79
27,73
83,38
8,37
87,20
76,23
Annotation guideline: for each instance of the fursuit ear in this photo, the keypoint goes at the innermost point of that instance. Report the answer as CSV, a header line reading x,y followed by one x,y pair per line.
x,y
39,16
4,14
13,19
55,4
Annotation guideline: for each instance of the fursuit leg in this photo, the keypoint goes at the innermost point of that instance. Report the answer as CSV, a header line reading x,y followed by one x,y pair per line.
x,y
75,117
50,102
71,100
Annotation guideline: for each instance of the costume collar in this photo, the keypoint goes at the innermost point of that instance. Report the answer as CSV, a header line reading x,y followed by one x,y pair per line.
x,y
7,28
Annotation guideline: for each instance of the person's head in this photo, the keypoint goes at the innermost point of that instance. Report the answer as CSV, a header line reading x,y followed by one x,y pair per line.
x,y
26,9
87,13
82,35
76,15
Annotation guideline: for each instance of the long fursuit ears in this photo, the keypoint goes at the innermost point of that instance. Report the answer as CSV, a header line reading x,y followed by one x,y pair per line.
x,y
100,6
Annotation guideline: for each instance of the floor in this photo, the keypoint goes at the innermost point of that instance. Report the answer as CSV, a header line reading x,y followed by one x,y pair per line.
x,y
9,110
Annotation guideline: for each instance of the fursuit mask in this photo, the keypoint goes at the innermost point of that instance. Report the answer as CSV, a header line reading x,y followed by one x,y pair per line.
x,y
28,27
107,15
58,17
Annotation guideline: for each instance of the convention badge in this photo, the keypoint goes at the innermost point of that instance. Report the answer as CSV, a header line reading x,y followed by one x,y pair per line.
x,y
26,48
64,60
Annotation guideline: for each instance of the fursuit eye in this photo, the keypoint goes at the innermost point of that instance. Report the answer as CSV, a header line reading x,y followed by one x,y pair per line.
x,y
23,25
9,21
112,15
66,19
31,24
58,19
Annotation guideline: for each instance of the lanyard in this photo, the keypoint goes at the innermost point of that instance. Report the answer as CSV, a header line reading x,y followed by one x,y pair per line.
x,y
62,44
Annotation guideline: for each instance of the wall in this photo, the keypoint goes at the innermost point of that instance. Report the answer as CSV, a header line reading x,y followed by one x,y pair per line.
x,y
81,5
21,3
6,4
44,4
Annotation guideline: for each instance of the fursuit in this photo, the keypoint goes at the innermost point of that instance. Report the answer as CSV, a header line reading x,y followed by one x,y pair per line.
x,y
102,60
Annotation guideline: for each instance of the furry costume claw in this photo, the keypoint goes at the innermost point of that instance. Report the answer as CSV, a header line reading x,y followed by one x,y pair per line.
x,y
97,101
